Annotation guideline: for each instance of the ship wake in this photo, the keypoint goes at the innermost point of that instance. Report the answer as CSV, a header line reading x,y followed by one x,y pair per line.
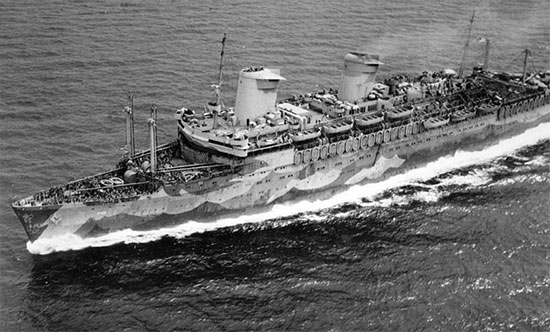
x,y
426,184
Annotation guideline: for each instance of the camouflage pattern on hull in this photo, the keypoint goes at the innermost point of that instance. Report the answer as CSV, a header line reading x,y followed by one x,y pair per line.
x,y
280,180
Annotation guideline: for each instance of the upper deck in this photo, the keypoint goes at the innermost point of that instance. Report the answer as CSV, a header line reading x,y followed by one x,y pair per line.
x,y
298,123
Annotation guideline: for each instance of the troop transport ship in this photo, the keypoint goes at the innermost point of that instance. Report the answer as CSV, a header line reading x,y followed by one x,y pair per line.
x,y
263,151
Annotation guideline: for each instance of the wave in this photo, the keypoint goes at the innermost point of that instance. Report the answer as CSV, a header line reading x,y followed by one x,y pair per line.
x,y
407,187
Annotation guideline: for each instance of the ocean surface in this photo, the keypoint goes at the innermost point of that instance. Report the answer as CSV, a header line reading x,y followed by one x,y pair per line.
x,y
462,244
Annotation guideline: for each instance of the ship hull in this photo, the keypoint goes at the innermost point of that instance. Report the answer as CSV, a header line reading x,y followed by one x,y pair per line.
x,y
254,192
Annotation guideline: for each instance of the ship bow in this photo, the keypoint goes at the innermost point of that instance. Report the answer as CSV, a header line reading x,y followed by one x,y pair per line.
x,y
34,219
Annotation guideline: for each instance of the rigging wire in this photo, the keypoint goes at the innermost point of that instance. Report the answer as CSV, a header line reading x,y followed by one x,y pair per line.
x,y
514,60
533,64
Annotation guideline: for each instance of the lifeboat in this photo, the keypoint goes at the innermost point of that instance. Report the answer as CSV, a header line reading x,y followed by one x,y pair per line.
x,y
462,115
307,156
306,135
315,153
332,149
415,127
436,122
356,143
340,148
265,142
349,145
379,137
369,120
365,141
338,111
322,101
232,144
228,139
372,140
400,113
401,132
324,152
337,128
409,129
298,158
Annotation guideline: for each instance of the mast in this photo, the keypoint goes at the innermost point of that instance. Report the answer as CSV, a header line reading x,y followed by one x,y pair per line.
x,y
130,142
221,67
154,117
217,87
153,133
461,70
486,60
524,74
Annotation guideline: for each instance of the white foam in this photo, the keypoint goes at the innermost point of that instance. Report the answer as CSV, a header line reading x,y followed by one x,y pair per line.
x,y
354,194
537,161
477,178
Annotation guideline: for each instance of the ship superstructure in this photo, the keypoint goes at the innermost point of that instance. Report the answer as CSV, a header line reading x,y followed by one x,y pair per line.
x,y
263,151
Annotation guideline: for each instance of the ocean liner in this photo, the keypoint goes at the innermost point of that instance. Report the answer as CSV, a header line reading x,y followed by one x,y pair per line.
x,y
264,151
